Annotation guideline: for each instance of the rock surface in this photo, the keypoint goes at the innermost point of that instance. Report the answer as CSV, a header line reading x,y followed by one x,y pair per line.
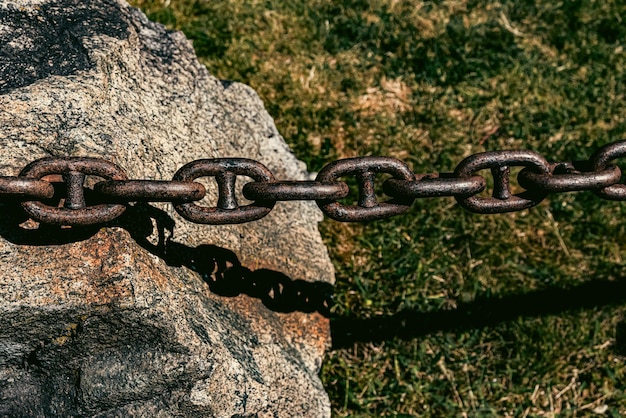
x,y
150,315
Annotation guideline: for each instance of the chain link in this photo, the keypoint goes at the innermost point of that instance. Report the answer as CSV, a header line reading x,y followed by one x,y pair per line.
x,y
599,161
225,171
74,210
500,163
52,190
365,170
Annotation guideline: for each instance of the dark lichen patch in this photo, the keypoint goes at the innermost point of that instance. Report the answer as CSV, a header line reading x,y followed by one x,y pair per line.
x,y
38,42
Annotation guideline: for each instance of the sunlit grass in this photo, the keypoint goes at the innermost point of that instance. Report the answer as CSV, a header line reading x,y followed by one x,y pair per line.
x,y
431,83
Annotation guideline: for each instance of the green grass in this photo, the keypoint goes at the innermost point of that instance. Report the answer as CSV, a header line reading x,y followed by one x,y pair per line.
x,y
430,83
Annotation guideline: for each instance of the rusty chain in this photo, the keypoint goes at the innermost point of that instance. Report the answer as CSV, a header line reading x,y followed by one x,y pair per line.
x,y
46,183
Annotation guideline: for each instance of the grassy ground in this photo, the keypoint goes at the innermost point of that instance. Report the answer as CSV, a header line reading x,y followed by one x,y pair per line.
x,y
459,314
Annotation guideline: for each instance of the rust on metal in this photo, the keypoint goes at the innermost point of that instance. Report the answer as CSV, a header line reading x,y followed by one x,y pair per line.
x,y
368,208
75,197
295,190
564,177
151,190
538,178
435,185
499,162
73,170
225,171
26,188
600,159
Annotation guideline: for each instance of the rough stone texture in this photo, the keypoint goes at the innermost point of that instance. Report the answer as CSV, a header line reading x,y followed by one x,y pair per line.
x,y
143,317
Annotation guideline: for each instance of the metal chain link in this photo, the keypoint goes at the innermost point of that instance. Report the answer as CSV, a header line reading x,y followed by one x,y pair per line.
x,y
52,190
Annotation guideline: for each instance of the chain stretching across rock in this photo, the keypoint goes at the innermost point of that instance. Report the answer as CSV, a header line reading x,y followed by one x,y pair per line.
x,y
538,177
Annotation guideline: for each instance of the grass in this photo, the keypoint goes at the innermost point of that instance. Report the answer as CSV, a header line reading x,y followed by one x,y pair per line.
x,y
506,315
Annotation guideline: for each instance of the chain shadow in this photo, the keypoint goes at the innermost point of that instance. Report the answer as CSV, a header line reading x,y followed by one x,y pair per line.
x,y
12,228
481,313
219,267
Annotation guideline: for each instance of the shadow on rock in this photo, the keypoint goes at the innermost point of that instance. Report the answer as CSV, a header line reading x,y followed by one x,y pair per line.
x,y
12,228
219,267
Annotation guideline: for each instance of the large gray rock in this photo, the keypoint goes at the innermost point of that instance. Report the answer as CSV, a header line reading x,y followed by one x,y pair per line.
x,y
150,315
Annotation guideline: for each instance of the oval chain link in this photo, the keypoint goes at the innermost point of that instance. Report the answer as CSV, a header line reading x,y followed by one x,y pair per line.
x,y
225,171
499,162
365,169
75,212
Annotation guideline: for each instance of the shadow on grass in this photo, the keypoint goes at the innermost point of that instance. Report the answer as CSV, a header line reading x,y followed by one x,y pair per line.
x,y
483,312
